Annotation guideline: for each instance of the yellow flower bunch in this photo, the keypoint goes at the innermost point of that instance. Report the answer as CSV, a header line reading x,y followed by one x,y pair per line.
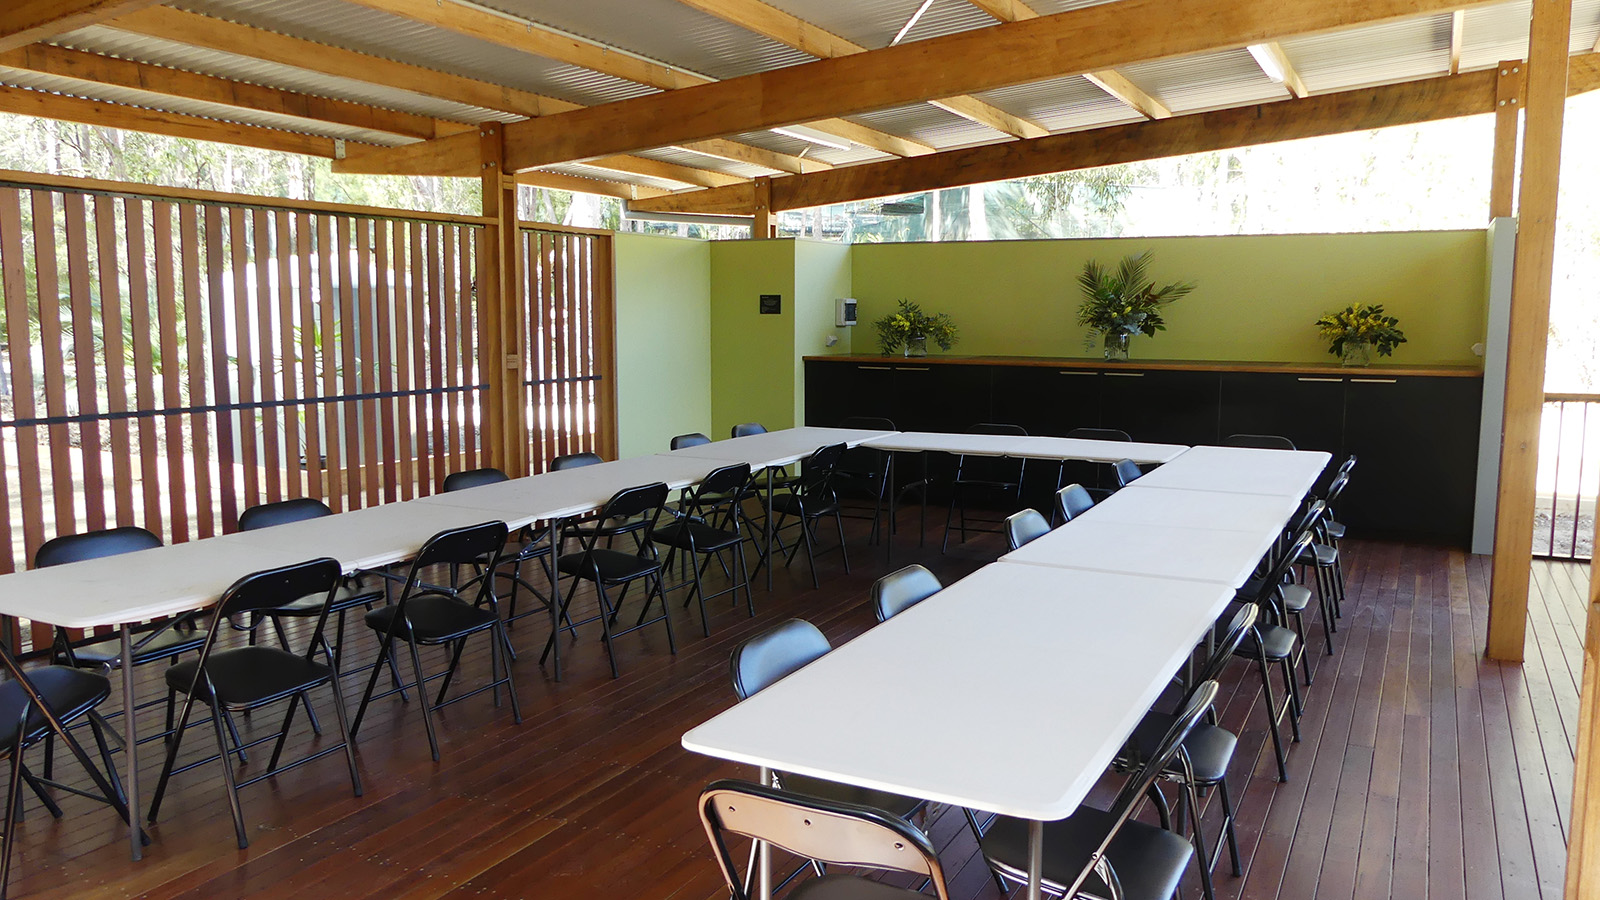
x,y
1360,323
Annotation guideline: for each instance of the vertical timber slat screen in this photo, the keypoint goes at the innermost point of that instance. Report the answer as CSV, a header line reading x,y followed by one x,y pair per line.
x,y
567,361
168,363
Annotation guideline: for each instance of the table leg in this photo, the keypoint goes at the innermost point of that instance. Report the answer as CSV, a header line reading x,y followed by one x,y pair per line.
x,y
130,748
767,526
1035,858
764,857
555,598
887,528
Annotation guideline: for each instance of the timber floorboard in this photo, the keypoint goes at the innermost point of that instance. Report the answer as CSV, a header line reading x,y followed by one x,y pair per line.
x,y
1424,771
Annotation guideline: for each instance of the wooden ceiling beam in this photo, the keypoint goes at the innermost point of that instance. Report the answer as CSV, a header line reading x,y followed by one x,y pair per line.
x,y
24,22
655,168
527,36
1081,40
25,102
768,21
1335,113
60,61
1109,80
1458,33
1272,59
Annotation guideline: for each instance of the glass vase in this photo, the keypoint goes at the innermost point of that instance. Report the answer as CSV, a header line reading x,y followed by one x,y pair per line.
x,y
1357,353
917,345
1117,345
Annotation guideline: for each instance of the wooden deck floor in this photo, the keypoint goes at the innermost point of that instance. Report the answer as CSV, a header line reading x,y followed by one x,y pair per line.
x,y
1424,771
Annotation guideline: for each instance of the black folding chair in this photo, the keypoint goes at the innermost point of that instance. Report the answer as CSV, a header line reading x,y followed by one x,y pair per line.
x,y
530,547
431,615
986,476
1025,526
250,677
810,499
898,591
708,524
1072,501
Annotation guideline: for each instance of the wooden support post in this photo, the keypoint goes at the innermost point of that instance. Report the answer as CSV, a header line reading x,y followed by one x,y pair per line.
x,y
505,433
764,224
1507,105
1529,331
1583,846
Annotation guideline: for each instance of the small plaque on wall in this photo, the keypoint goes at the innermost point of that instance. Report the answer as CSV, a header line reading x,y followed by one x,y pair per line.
x,y
771,304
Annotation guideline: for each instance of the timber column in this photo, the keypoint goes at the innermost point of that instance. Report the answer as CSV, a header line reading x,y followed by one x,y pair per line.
x,y
505,434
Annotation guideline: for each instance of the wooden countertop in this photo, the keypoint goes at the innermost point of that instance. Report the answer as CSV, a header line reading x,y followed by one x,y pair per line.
x,y
1186,365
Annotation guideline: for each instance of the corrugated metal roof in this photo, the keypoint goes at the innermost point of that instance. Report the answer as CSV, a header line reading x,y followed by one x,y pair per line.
x,y
1070,103
594,172
254,71
1377,54
700,161
144,99
391,37
768,140
1194,83
661,30
930,125
874,23
1500,32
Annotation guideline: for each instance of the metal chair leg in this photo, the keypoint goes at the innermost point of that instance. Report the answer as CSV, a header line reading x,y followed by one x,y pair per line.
x,y
422,694
227,775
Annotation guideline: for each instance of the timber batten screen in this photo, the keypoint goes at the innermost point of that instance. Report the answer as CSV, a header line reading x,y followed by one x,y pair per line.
x,y
220,353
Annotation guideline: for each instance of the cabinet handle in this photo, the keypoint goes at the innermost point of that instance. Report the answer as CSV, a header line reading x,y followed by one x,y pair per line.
x,y
1077,372
874,368
913,368
1334,380
1125,374
1374,380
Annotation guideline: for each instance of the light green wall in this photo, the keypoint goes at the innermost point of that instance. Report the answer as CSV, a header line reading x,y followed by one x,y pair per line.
x,y
1256,301
752,356
821,277
663,295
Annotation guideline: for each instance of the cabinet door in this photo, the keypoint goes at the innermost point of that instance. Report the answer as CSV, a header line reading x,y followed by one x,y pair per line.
x,y
1162,406
836,391
1045,399
939,396
1306,409
1416,441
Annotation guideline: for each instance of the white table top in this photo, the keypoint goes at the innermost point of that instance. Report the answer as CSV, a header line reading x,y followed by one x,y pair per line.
x,y
1138,505
777,448
572,491
1165,551
1038,447
946,442
1241,470
1065,661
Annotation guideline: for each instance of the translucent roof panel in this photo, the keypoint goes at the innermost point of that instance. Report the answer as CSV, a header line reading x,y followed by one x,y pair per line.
x,y
1377,54
1070,103
931,125
1195,83
874,23
1494,33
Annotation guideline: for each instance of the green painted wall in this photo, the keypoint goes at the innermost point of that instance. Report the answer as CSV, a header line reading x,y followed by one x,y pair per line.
x,y
821,276
663,295
1256,301
752,355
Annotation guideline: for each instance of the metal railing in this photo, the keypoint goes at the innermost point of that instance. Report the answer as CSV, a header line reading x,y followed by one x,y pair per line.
x,y
1569,477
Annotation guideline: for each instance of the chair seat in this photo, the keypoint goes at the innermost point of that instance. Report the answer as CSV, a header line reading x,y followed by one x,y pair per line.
x,y
687,534
1210,748
1335,529
1277,641
169,642
247,676
804,507
852,887
1296,597
614,566
1319,555
346,597
1148,860
70,692
895,804
434,618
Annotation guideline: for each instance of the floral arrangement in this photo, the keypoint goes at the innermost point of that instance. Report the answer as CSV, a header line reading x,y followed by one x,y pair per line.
x,y
1360,324
909,322
1126,301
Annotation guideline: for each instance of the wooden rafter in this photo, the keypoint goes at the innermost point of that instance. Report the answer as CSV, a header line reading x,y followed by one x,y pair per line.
x,y
768,21
561,182
197,30
25,102
1458,33
531,37
1444,97
1109,80
1275,62
1081,40
24,22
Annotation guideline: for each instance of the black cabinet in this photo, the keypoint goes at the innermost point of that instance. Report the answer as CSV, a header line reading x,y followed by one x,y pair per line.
x,y
1416,436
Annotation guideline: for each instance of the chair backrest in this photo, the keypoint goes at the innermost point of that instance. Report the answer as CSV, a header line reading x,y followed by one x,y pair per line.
x,y
1135,789
266,515
460,481
692,439
817,470
774,653
461,546
1073,501
632,501
1348,464
1100,434
1244,619
721,490
71,548
1336,488
273,588
823,830
1280,567
1024,526
745,429
871,423
898,591
1260,441
575,461
998,428
1127,472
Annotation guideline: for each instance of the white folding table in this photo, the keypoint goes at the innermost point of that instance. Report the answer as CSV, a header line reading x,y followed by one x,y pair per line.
x,y
1185,508
1072,657
771,450
1212,555
1241,470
